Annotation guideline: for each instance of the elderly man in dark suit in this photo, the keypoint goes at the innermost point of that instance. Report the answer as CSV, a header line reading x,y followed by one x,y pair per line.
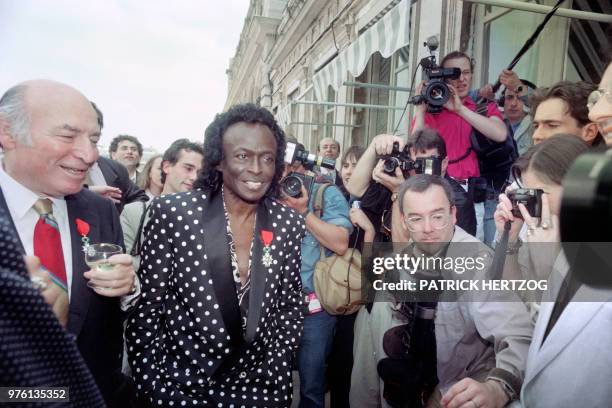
x,y
49,132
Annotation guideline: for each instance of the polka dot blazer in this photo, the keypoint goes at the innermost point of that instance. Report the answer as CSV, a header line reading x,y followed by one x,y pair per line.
x,y
185,340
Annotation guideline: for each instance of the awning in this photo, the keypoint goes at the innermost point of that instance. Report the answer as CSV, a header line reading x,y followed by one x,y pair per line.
x,y
386,36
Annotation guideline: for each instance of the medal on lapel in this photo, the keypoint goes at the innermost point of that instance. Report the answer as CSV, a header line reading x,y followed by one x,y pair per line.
x,y
83,229
266,237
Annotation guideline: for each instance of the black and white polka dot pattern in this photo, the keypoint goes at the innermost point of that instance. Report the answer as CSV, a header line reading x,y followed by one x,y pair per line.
x,y
177,339
35,350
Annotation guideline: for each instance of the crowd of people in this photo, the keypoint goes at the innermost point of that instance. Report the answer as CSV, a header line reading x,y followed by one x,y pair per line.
x,y
213,301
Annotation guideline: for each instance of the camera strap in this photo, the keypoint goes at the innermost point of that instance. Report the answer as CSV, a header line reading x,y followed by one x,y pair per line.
x,y
496,269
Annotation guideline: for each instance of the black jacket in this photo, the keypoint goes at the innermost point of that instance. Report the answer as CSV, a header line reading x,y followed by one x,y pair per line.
x,y
116,175
96,321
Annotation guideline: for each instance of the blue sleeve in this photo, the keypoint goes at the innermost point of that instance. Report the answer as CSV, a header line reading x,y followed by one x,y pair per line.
x,y
336,209
473,94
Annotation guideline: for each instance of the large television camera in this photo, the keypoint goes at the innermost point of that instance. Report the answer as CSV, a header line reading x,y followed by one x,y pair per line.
x,y
586,218
422,165
435,93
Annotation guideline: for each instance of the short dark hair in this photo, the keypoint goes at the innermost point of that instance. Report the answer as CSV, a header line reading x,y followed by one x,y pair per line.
x,y
552,158
574,94
428,139
210,178
354,151
422,182
118,139
173,153
456,55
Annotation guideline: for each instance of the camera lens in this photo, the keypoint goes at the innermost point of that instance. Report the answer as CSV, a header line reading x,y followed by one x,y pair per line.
x,y
437,93
292,186
390,164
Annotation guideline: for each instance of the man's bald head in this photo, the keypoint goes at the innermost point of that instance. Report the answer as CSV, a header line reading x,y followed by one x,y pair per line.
x,y
22,100
48,131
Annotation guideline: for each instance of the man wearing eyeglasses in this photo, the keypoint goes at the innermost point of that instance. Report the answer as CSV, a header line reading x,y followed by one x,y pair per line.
x,y
481,346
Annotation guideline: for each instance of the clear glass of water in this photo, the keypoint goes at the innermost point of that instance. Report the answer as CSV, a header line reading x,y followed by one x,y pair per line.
x,y
96,257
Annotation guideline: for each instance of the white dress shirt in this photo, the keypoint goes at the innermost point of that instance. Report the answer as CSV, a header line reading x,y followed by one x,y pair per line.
x,y
20,201
96,176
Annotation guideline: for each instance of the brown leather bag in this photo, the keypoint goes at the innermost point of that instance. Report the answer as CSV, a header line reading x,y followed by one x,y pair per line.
x,y
337,279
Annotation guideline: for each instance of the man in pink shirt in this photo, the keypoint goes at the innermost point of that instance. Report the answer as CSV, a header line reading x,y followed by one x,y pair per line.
x,y
457,119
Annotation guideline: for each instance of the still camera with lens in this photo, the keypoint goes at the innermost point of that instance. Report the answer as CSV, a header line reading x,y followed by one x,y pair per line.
x,y
291,185
422,165
531,198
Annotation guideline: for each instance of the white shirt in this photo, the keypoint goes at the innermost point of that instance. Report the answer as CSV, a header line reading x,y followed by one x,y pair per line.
x,y
96,176
20,201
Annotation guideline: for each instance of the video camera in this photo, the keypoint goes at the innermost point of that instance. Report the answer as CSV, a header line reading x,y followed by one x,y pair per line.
x,y
291,185
422,165
435,93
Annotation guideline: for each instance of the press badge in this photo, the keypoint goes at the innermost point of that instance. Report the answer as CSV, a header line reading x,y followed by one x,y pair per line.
x,y
314,306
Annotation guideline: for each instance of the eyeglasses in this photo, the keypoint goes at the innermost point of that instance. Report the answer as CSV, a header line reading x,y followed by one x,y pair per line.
x,y
596,95
416,223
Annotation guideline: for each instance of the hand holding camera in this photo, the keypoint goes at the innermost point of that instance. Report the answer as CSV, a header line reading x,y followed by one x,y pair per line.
x,y
298,203
391,181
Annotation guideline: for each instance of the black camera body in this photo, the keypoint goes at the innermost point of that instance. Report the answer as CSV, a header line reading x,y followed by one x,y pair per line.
x,y
296,152
436,92
423,165
531,198
292,184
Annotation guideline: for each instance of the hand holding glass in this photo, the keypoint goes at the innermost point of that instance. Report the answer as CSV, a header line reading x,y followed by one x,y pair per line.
x,y
96,257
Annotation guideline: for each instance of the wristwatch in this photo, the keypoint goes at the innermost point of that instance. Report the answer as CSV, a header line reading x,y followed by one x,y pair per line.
x,y
393,197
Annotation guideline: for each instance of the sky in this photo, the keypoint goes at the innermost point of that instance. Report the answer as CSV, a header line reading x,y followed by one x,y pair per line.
x,y
155,68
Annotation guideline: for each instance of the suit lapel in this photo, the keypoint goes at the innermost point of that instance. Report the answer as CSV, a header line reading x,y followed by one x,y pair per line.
x,y
80,294
258,271
577,314
109,174
218,259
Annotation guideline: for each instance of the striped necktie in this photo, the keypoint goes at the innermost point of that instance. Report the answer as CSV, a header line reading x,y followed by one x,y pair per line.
x,y
48,243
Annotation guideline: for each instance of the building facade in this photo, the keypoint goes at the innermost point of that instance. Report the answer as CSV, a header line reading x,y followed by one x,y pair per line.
x,y
344,68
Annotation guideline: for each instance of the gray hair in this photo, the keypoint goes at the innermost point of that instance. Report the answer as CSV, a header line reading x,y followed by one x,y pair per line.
x,y
13,111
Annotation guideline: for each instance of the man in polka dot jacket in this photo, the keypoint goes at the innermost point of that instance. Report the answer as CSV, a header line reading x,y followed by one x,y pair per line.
x,y
221,310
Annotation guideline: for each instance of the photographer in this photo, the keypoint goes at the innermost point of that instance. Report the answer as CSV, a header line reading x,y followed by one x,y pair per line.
x,y
378,190
331,232
428,143
600,106
457,119
572,331
481,346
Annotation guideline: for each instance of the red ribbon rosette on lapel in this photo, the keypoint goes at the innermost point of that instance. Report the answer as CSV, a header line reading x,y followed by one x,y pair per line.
x,y
267,237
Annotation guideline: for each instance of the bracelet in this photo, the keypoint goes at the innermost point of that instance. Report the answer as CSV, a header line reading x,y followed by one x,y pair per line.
x,y
514,248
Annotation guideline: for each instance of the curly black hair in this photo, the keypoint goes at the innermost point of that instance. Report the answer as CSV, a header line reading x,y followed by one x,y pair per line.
x,y
210,178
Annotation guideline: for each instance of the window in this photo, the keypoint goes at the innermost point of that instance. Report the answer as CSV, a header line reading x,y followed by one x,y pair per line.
x,y
330,113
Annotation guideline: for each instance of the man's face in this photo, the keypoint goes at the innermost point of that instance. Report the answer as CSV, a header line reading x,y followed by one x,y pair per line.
x,y
249,159
430,218
513,106
462,84
181,176
552,117
64,131
601,112
414,154
126,154
328,148
348,166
